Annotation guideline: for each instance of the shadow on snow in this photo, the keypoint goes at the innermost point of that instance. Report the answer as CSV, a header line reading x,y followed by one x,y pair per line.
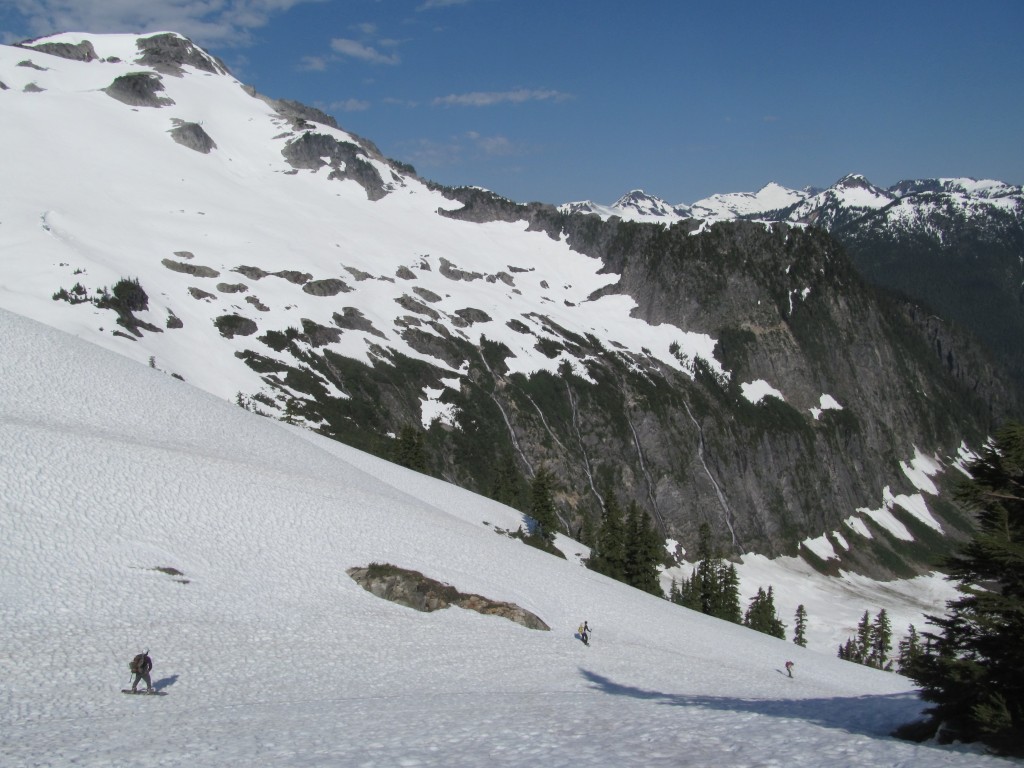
x,y
875,716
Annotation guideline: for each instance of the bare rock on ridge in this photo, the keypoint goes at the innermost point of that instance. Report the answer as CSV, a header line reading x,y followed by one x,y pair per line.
x,y
82,51
138,89
169,52
193,136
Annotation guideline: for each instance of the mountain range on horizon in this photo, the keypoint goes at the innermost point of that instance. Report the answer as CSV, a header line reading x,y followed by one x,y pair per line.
x,y
740,368
774,202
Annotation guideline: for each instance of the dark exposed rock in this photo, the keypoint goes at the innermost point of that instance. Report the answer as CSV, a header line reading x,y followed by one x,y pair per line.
x,y
414,590
31,65
346,160
405,273
257,303
193,136
452,272
331,286
198,293
470,315
232,287
138,89
173,321
184,254
82,51
253,273
169,52
319,335
32,88
295,109
293,276
426,295
196,270
358,274
235,325
354,320
415,305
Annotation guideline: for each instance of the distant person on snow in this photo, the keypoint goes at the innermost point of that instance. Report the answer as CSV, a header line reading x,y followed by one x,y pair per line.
x,y
585,633
140,667
789,668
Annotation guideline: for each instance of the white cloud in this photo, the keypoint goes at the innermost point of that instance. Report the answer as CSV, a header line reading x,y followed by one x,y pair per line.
x,y
357,50
431,4
489,98
350,105
204,21
313,63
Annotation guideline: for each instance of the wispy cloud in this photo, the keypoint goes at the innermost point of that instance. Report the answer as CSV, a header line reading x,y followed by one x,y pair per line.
x,y
430,4
207,22
489,98
456,150
349,105
357,50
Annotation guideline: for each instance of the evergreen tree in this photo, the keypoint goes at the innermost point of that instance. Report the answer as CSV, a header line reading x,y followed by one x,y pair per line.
x,y
973,673
643,551
707,581
727,604
865,639
800,630
609,556
408,449
909,651
507,484
761,614
881,641
542,505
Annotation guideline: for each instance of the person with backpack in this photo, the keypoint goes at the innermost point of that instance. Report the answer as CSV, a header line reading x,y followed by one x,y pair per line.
x,y
140,666
789,668
585,633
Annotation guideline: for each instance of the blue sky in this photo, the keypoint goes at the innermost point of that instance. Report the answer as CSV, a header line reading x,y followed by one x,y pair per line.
x,y
561,100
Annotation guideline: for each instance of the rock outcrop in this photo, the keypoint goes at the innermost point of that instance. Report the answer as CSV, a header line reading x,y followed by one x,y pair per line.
x,y
414,590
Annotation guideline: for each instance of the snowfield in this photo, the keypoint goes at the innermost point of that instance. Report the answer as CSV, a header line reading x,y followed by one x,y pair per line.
x,y
271,655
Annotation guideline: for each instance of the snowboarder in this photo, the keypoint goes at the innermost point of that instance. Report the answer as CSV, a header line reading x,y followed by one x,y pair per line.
x,y
585,633
140,667
789,668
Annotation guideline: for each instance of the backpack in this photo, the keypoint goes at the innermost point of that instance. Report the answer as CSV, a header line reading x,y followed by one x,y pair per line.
x,y
138,664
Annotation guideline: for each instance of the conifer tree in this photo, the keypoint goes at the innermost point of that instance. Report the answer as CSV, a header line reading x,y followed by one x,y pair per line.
x,y
542,505
881,641
609,556
643,551
909,651
761,614
727,604
864,641
507,484
973,672
800,630
408,451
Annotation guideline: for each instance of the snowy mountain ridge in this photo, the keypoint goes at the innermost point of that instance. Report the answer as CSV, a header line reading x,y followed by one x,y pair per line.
x,y
265,255
774,202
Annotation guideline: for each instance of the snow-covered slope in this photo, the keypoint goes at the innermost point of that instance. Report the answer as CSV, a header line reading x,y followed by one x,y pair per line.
x,y
246,233
271,655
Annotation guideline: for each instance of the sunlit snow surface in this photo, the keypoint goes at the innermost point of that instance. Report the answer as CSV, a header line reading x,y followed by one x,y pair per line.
x,y
271,655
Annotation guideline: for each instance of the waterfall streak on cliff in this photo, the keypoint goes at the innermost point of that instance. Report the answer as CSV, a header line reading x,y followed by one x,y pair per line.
x,y
647,476
508,424
583,449
721,496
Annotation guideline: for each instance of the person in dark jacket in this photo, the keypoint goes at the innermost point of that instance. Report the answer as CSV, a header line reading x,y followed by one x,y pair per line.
x,y
140,667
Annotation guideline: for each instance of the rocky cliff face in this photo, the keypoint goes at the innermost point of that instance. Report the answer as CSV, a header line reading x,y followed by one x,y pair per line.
x,y
785,304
